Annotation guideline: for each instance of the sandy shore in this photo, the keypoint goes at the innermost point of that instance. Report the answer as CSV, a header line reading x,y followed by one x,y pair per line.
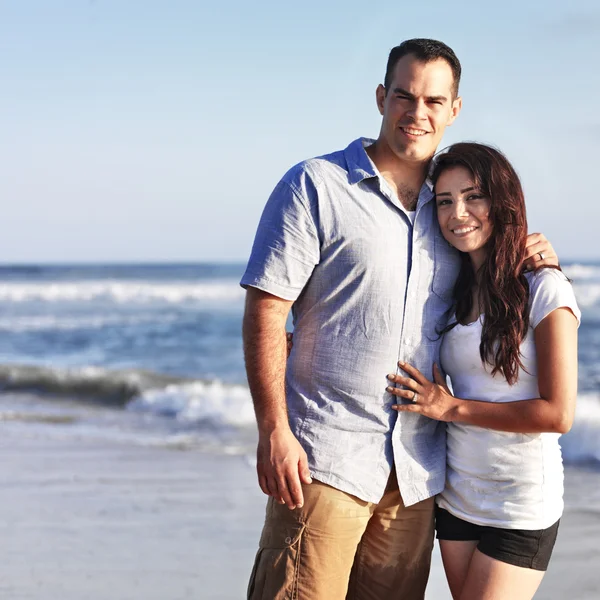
x,y
88,520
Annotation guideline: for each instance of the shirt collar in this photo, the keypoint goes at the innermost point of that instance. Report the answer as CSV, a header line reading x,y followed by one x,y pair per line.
x,y
361,167
359,164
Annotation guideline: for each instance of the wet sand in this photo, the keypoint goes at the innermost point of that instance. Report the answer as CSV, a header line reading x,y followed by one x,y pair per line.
x,y
90,520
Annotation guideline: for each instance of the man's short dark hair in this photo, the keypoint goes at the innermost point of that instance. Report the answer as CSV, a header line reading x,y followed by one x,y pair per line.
x,y
426,51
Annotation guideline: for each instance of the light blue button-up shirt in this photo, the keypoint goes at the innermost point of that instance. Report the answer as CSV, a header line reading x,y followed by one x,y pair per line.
x,y
369,289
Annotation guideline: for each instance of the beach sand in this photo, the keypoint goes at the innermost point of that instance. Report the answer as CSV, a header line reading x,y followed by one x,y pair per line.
x,y
91,520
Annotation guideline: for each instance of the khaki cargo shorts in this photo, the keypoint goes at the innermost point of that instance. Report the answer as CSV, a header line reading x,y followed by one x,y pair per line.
x,y
338,547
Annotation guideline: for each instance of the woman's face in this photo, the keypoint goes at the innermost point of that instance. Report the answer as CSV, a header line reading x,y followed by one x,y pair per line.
x,y
463,212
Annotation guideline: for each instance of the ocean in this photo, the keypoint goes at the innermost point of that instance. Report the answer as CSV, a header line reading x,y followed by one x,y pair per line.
x,y
129,437
152,354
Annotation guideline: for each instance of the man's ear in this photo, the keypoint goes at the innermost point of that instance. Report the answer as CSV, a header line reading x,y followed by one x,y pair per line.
x,y
455,110
380,98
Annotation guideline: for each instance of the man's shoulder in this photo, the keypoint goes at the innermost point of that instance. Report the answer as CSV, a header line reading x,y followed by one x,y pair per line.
x,y
318,169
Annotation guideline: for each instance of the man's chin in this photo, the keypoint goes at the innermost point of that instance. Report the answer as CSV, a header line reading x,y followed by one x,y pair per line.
x,y
414,155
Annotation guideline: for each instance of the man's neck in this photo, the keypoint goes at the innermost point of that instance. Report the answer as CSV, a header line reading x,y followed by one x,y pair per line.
x,y
405,178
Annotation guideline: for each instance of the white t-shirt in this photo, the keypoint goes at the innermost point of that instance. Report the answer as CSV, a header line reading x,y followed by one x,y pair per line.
x,y
497,478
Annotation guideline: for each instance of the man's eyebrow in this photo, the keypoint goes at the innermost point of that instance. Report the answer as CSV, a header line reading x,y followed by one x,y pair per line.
x,y
399,90
404,93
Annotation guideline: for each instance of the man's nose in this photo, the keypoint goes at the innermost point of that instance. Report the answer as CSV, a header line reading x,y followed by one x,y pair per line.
x,y
418,110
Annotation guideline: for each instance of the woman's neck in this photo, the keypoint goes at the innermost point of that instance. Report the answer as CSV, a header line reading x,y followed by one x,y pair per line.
x,y
477,259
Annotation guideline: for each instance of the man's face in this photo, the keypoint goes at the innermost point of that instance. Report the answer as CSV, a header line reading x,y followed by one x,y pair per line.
x,y
417,107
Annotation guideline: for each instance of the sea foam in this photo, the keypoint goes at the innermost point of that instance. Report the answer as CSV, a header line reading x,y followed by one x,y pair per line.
x,y
582,443
122,291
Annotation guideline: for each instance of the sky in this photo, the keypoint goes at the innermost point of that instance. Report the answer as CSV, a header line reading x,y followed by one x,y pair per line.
x,y
146,130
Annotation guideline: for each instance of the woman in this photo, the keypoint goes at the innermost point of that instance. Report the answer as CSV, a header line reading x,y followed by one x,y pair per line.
x,y
510,350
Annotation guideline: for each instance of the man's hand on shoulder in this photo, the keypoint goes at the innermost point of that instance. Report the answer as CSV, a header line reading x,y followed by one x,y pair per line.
x,y
282,466
539,253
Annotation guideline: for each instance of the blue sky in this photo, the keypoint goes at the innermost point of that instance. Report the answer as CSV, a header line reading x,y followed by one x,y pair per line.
x,y
155,130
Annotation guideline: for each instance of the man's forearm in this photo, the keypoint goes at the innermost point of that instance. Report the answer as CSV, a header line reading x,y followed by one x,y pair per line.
x,y
265,352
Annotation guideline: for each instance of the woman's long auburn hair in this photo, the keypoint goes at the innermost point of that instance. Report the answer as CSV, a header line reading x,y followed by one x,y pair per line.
x,y
503,288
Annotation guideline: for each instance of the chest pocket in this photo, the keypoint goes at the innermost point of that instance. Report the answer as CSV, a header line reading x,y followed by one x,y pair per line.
x,y
446,268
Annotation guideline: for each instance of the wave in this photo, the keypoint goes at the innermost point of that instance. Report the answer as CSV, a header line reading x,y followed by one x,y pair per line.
x,y
588,295
582,443
111,387
53,323
122,292
216,406
581,272
210,403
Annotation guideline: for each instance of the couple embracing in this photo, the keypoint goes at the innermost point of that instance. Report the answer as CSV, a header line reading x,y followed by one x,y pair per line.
x,y
405,270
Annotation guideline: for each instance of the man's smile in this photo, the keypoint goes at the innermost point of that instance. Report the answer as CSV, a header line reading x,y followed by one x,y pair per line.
x,y
412,131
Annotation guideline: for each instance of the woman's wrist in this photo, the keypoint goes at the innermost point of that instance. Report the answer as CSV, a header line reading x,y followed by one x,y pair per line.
x,y
457,410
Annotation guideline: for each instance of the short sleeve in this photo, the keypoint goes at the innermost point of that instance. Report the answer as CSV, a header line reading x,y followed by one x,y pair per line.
x,y
550,289
286,247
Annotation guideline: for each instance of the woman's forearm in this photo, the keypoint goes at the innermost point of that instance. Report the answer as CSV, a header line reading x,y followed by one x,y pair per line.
x,y
523,416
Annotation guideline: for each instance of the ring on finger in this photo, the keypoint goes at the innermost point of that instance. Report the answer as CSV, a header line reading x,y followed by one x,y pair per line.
x,y
541,256
414,398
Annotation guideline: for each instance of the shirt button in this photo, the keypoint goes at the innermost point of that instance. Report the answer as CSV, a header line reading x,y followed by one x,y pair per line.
x,y
407,342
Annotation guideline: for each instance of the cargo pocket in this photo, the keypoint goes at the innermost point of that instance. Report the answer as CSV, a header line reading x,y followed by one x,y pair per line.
x,y
275,572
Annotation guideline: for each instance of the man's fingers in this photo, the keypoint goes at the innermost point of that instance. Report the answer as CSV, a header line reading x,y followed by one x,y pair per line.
x,y
295,489
539,252
262,482
535,238
534,251
284,491
262,477
303,470
273,489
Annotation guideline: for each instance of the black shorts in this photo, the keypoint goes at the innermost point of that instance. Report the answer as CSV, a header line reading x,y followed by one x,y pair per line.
x,y
521,547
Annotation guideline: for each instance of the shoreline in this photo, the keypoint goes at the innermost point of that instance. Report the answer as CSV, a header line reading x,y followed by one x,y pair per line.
x,y
89,519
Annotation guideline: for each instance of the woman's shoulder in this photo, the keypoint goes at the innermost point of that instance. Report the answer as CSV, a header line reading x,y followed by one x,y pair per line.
x,y
547,277
550,289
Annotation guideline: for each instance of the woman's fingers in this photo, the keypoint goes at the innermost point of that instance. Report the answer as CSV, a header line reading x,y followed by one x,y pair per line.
x,y
437,375
415,408
405,381
408,394
413,372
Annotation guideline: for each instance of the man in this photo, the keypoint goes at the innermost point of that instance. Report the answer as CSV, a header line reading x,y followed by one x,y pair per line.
x,y
350,242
